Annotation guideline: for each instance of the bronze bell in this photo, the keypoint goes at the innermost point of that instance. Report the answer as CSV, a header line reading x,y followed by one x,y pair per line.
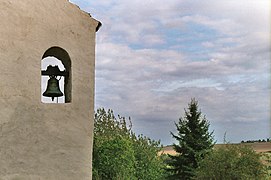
x,y
53,89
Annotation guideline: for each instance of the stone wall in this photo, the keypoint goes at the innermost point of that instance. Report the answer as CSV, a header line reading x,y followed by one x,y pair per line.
x,y
37,140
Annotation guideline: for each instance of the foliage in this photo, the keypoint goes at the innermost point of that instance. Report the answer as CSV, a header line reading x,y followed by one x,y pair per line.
x,y
266,159
231,162
253,141
194,142
115,159
119,154
106,125
149,165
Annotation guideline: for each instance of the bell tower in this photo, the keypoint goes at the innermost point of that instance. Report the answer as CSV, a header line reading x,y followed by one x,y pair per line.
x,y
40,140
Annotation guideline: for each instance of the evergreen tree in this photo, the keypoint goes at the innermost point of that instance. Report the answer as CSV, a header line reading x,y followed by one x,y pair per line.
x,y
194,142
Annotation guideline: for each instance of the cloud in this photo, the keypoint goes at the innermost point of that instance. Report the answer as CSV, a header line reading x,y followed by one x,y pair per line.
x,y
154,86
153,57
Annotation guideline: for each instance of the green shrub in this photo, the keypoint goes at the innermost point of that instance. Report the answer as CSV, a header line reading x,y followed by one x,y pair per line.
x,y
114,159
118,154
232,162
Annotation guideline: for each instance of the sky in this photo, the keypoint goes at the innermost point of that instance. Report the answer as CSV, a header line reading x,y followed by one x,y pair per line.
x,y
153,56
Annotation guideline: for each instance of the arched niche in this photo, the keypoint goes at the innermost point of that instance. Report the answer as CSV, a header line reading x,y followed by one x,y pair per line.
x,y
64,57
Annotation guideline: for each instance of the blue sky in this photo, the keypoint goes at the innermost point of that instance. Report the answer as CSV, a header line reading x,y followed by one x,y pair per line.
x,y
152,57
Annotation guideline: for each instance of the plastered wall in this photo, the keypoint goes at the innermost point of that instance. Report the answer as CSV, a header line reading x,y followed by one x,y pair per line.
x,y
37,140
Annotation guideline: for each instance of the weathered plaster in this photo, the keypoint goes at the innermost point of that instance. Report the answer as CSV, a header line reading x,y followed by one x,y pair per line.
x,y
37,140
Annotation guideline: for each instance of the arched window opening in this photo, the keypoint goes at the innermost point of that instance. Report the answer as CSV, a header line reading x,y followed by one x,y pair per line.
x,y
56,76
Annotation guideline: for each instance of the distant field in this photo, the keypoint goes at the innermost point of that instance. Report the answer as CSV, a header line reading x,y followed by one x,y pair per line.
x,y
257,146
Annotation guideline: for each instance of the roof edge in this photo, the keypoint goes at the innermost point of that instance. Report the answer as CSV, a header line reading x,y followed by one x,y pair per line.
x,y
99,24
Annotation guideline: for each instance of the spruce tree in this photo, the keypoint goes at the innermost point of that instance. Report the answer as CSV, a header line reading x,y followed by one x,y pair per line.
x,y
194,141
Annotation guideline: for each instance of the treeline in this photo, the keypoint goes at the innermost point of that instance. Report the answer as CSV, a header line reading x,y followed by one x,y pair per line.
x,y
120,154
254,141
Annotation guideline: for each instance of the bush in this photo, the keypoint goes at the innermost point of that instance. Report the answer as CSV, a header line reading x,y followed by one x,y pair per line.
x,y
114,159
231,162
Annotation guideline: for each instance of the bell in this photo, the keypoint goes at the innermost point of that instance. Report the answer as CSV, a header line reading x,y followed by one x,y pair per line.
x,y
52,89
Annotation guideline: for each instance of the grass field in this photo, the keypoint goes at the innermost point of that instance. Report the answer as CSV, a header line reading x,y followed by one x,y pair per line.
x,y
263,148
259,147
